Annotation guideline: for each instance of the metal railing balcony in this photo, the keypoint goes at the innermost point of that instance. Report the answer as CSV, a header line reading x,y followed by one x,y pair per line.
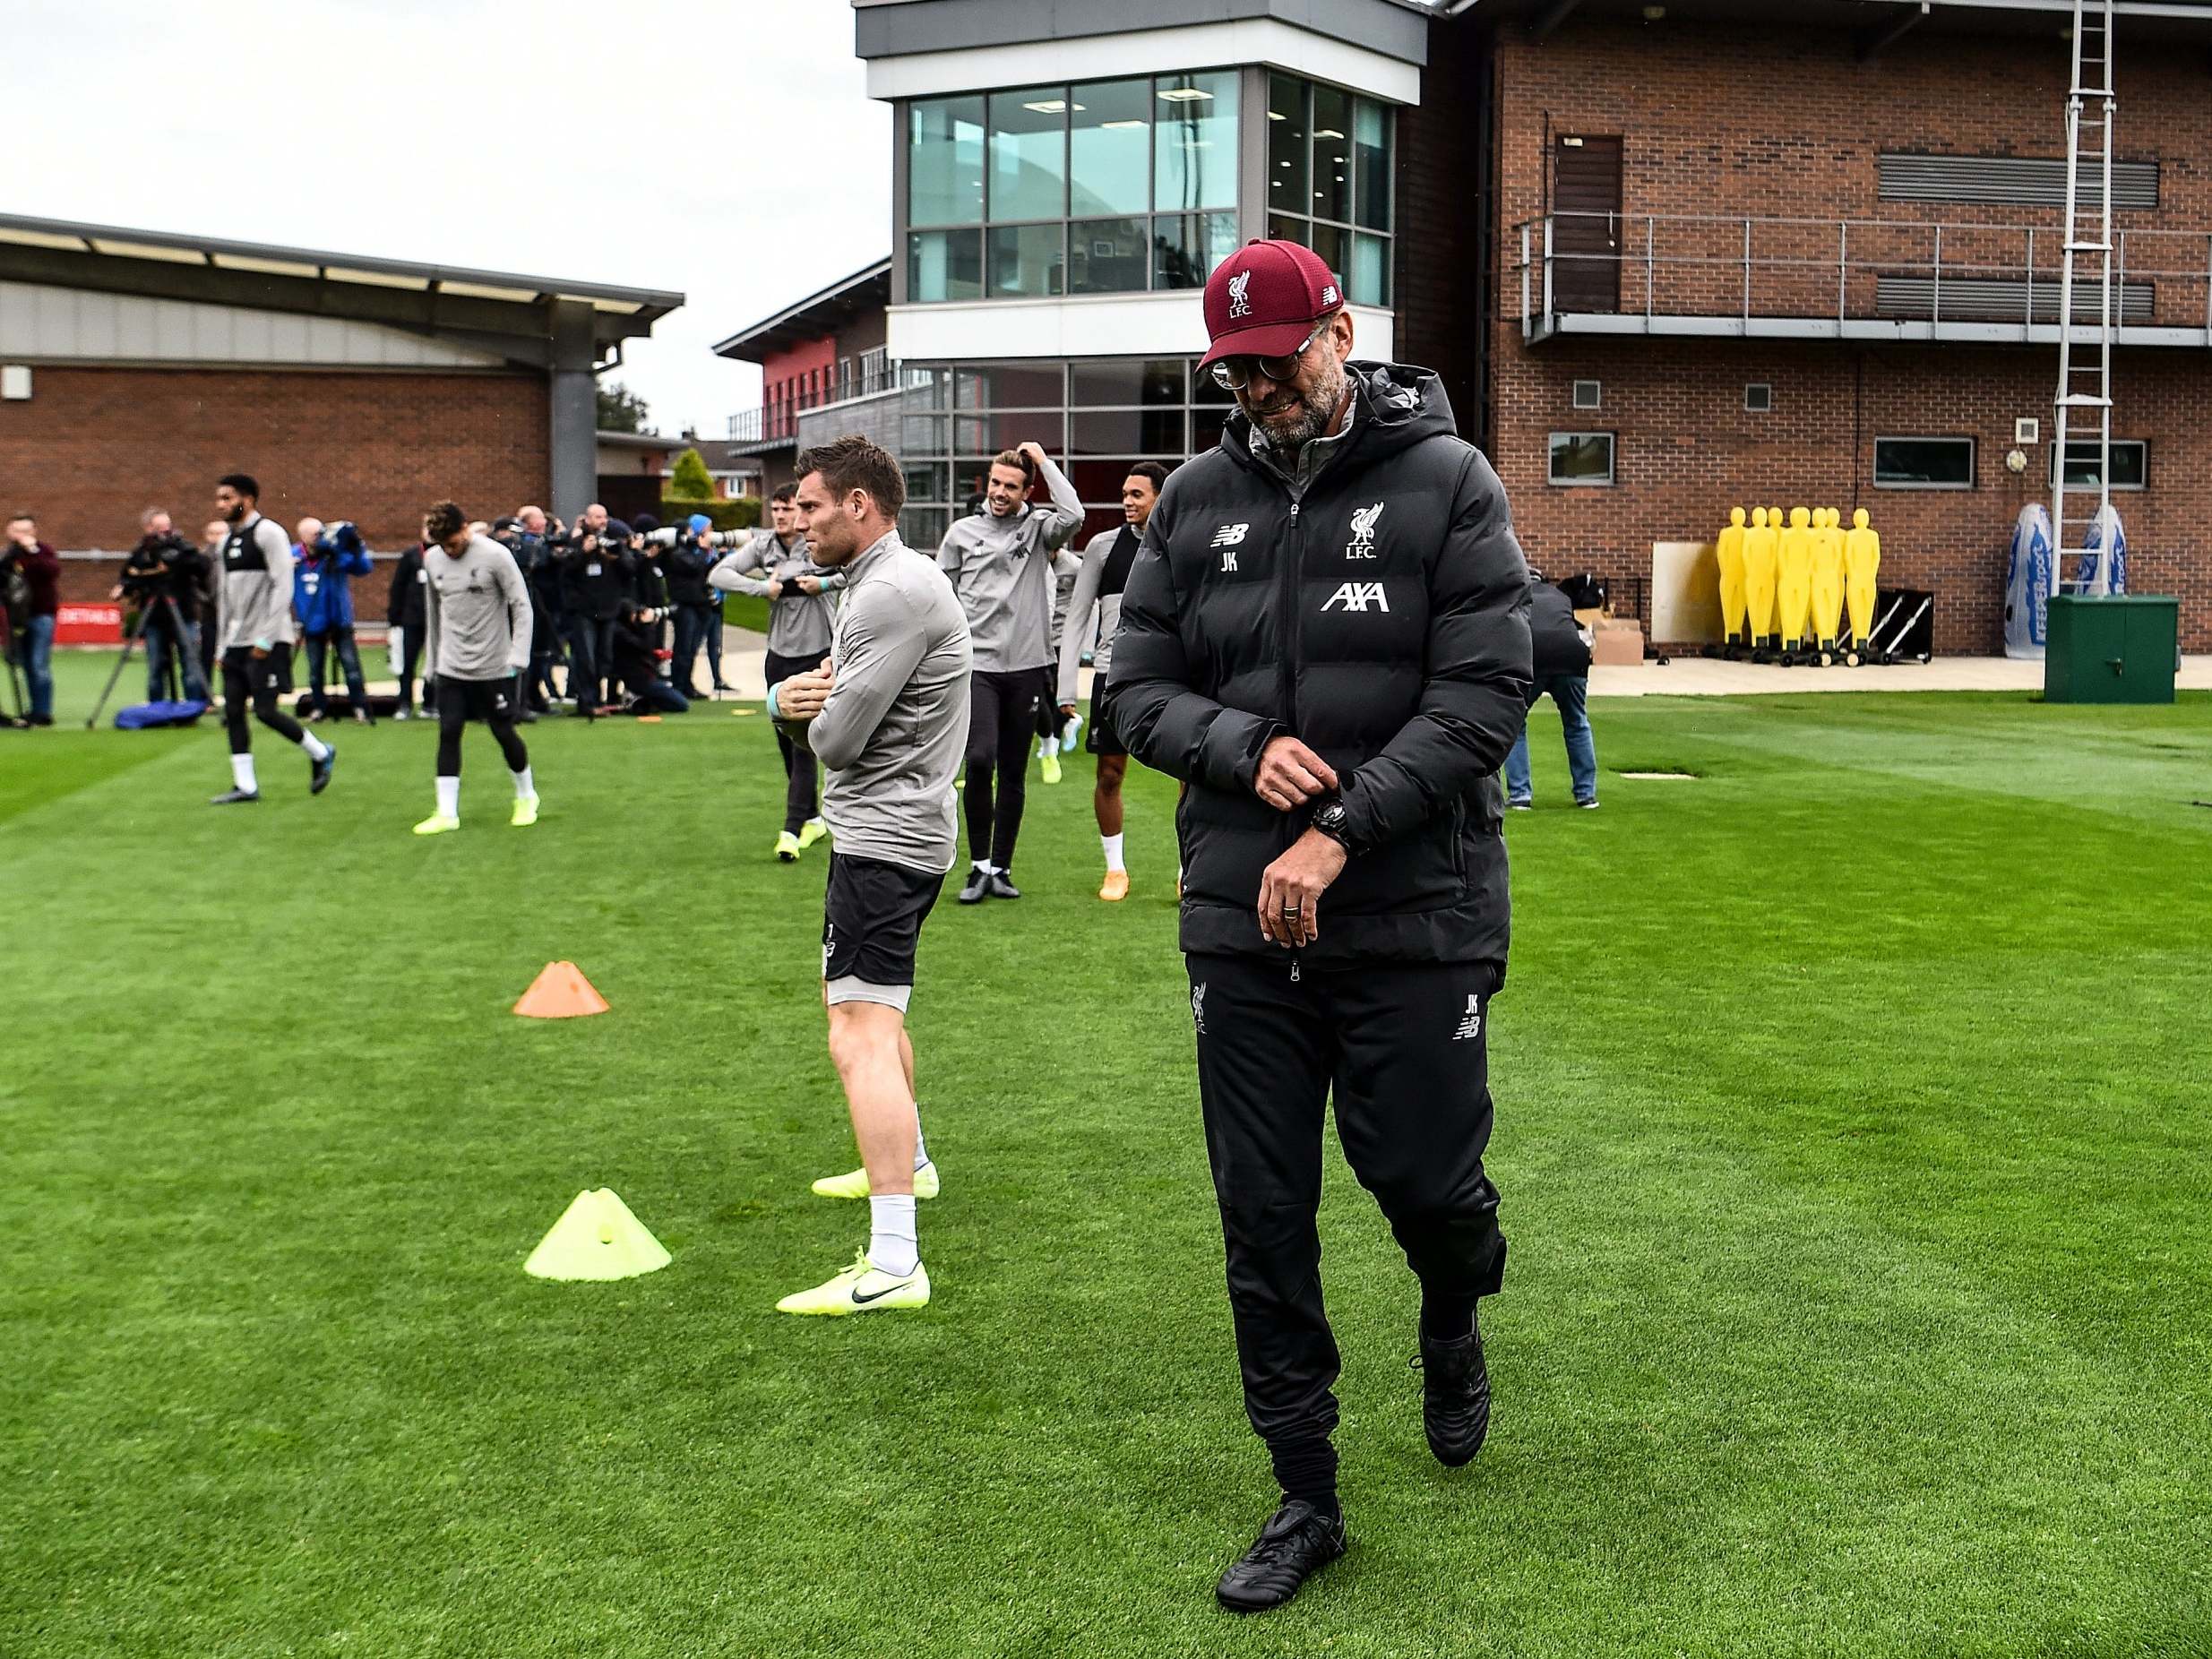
x,y
775,424
1855,280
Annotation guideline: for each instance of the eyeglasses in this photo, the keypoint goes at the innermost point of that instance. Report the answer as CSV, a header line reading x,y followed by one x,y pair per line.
x,y
1234,373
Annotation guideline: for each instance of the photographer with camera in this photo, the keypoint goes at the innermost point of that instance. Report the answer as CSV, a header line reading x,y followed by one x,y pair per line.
x,y
698,616
30,574
324,563
533,554
595,581
161,582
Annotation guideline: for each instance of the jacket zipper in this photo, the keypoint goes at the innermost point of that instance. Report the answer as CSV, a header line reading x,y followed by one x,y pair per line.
x,y
1294,568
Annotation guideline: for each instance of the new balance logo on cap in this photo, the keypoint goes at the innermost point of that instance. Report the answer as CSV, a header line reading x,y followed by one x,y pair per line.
x,y
1229,534
1239,306
1329,294
1358,596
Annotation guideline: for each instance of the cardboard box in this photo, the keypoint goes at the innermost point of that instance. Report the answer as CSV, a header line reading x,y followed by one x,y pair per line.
x,y
1619,642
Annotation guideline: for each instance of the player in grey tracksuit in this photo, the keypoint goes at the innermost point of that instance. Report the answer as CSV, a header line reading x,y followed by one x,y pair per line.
x,y
258,633
777,565
887,717
477,622
1000,562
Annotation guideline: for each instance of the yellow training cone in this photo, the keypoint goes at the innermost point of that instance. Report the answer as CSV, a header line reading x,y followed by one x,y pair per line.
x,y
597,1238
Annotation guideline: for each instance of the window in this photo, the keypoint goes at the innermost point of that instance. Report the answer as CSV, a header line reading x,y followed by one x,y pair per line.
x,y
1582,458
2131,464
1328,180
1588,393
1924,463
1100,187
1759,396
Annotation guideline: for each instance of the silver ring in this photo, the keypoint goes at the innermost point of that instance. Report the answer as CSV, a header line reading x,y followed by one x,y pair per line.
x,y
1290,910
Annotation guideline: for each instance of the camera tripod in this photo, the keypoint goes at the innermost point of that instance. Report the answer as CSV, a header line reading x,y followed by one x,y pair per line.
x,y
138,635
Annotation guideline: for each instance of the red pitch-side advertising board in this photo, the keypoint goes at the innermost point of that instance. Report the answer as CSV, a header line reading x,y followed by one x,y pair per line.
x,y
89,624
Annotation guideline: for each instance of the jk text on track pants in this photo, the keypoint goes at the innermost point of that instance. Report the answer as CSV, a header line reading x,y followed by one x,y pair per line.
x,y
1403,1048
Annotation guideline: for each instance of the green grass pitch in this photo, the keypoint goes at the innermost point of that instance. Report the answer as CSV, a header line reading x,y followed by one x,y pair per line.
x,y
1854,1130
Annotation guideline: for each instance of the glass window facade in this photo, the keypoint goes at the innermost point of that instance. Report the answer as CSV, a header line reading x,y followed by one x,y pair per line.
x,y
1328,180
1100,187
1094,417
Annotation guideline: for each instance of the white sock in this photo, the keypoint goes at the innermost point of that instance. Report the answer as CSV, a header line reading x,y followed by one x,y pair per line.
x,y
242,773
921,1147
983,867
891,1244
1046,748
815,823
448,797
524,784
317,748
1113,845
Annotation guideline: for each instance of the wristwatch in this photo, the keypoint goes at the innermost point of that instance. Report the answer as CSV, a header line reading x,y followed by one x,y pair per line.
x,y
1332,820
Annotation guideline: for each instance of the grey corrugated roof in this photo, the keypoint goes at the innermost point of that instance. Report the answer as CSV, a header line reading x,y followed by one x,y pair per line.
x,y
357,269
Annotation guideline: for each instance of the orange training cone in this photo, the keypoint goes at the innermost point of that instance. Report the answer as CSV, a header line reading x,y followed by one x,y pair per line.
x,y
560,992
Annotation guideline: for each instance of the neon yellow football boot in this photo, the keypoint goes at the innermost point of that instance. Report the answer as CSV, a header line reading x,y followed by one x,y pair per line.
x,y
812,830
861,1288
525,812
854,1183
437,823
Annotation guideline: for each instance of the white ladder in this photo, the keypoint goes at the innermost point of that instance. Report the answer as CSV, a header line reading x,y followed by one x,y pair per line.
x,y
2084,404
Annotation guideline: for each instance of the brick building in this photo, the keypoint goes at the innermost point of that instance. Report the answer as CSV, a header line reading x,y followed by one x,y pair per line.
x,y
1666,259
140,366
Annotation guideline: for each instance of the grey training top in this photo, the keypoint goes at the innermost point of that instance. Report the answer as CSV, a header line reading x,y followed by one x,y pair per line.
x,y
1001,569
477,612
257,585
894,729
798,624
1088,582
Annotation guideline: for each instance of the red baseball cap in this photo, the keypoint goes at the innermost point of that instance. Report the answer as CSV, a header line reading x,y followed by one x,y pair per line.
x,y
1264,299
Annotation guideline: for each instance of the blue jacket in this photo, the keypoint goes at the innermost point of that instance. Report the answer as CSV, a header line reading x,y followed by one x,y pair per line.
x,y
321,592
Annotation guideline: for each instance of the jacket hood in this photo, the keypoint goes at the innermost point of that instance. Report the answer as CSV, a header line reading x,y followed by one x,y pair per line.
x,y
1400,406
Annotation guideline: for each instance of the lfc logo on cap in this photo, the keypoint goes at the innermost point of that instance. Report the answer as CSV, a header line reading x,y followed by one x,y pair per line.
x,y
1239,306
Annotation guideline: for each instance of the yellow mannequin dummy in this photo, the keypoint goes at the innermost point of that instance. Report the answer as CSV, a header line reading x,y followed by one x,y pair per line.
x,y
1862,564
1760,555
1793,590
1827,580
1730,552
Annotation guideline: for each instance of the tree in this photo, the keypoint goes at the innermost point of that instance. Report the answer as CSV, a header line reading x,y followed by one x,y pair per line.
x,y
621,409
689,479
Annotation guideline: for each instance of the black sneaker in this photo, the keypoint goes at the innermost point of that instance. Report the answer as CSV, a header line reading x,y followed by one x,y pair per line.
x,y
979,888
1297,1543
1455,1397
999,887
235,798
319,771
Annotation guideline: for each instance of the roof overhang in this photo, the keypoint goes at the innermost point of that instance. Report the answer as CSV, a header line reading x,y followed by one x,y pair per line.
x,y
2137,19
503,312
822,313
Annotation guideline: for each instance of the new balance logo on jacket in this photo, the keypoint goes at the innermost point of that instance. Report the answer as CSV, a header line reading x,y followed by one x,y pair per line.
x,y
1358,596
1230,534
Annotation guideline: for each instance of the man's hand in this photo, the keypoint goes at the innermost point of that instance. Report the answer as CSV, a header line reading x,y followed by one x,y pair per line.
x,y
1290,775
1291,889
775,590
801,697
1067,711
1033,450
807,584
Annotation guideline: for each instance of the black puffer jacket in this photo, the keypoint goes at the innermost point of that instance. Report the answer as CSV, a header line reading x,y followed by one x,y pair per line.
x,y
1556,639
1381,618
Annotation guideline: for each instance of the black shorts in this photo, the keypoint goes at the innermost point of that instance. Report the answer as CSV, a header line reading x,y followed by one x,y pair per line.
x,y
871,921
478,700
1102,738
272,673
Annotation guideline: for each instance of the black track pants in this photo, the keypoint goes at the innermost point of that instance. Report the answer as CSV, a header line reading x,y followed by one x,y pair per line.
x,y
1402,1047
492,701
1002,729
799,771
256,683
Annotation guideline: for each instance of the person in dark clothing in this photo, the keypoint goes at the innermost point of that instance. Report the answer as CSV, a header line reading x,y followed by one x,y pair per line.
x,y
533,554
697,613
208,588
324,563
165,569
636,658
1563,668
595,581
1325,634
30,575
404,613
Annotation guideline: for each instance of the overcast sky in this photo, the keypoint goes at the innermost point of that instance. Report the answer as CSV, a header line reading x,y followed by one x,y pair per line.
x,y
727,150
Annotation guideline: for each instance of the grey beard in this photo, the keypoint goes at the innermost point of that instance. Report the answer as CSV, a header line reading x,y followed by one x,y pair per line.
x,y
1319,408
